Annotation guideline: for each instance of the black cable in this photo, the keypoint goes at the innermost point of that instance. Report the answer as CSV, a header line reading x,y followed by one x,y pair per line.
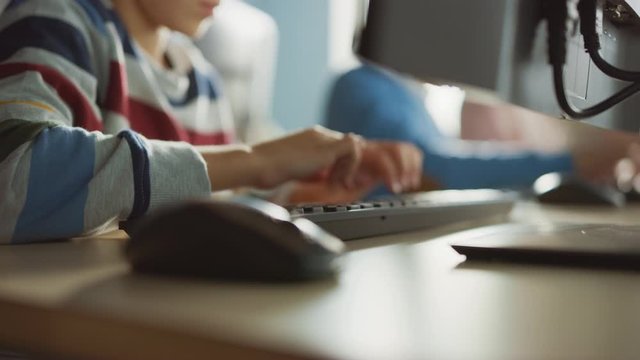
x,y
556,13
587,10
575,113
611,70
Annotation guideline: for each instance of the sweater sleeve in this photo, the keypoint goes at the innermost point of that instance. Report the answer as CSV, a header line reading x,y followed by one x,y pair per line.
x,y
60,176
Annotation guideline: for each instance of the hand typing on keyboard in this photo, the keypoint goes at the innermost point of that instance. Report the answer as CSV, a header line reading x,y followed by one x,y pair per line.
x,y
397,165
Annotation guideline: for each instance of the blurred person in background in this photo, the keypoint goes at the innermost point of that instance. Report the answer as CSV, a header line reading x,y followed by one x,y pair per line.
x,y
379,103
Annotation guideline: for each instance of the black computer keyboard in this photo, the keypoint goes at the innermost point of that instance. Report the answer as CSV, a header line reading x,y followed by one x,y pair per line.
x,y
406,212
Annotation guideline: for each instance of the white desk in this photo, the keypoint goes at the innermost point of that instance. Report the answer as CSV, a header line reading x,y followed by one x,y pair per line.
x,y
398,297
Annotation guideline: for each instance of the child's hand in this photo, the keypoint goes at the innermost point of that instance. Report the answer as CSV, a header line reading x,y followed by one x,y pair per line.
x,y
387,162
627,171
318,155
397,164
347,160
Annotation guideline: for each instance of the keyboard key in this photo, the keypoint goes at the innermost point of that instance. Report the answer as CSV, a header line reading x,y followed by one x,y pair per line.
x,y
312,209
334,208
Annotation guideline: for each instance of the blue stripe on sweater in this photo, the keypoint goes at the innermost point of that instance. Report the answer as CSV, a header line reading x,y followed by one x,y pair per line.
x,y
96,12
100,15
13,3
141,176
199,85
49,34
62,165
127,43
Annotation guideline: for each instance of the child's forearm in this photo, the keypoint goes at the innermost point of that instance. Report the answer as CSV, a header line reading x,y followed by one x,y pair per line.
x,y
231,166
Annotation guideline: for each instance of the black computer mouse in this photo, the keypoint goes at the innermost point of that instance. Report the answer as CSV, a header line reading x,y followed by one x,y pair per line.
x,y
563,188
253,240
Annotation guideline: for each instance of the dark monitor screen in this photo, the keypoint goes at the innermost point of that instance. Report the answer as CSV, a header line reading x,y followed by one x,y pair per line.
x,y
497,45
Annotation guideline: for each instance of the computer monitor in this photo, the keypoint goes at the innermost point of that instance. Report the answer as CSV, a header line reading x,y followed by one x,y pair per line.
x,y
499,45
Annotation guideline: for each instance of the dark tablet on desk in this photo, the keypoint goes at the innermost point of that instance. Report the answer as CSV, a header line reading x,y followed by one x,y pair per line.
x,y
597,245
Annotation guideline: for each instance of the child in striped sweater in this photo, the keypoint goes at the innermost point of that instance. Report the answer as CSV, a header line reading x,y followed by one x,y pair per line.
x,y
108,112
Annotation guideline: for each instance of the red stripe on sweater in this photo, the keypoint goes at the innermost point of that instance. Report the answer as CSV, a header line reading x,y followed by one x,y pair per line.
x,y
83,115
154,123
117,90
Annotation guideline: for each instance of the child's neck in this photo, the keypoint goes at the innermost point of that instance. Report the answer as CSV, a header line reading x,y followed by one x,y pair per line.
x,y
150,36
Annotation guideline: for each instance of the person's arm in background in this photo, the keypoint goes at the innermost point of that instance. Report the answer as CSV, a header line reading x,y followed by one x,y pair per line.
x,y
594,150
373,103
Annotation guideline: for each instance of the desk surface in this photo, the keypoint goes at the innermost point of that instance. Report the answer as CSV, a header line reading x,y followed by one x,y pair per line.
x,y
398,297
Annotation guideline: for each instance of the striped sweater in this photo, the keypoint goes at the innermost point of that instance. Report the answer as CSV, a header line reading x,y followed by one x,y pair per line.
x,y
79,106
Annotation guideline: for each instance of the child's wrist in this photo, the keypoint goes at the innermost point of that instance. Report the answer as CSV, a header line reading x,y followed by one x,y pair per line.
x,y
267,173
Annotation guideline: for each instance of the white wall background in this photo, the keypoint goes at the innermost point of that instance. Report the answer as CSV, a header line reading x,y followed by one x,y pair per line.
x,y
315,43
